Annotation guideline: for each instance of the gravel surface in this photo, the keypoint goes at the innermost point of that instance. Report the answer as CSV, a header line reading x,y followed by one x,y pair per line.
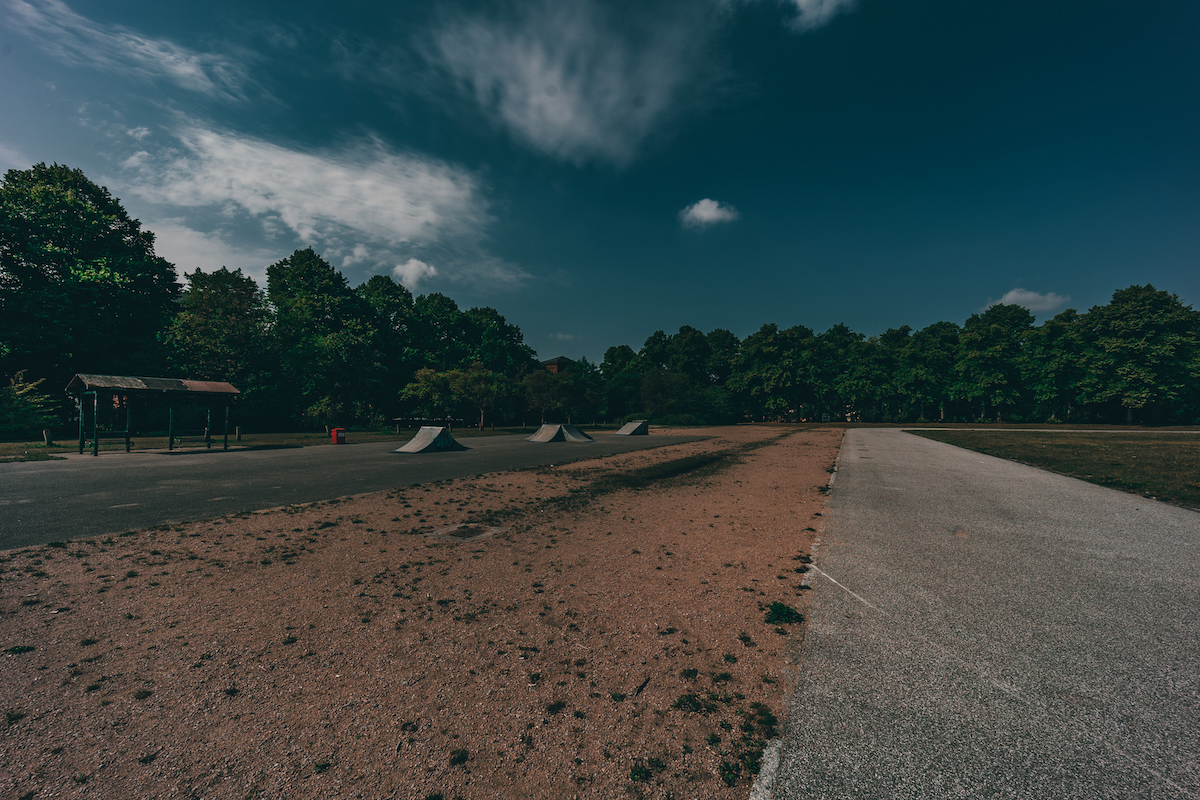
x,y
595,630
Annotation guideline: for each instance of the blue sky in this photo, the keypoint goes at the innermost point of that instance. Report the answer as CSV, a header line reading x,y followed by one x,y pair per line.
x,y
599,170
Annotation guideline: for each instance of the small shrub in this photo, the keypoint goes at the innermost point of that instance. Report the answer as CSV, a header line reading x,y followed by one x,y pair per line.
x,y
321,766
617,697
459,756
745,639
693,703
88,642
142,694
21,648
713,740
730,658
783,614
12,717
689,674
148,758
639,772
721,677
555,707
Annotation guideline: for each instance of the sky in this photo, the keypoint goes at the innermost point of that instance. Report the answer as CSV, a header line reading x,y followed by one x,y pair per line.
x,y
597,171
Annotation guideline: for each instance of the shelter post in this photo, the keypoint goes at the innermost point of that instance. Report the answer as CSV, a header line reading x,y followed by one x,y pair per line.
x,y
96,423
79,406
226,425
208,429
128,420
170,427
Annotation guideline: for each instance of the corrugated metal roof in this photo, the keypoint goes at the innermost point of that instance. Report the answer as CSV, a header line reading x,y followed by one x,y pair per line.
x,y
132,383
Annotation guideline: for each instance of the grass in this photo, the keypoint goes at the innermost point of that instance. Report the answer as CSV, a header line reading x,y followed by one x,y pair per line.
x,y
1153,464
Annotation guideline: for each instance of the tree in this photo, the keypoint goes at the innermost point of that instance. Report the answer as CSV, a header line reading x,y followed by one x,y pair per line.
x,y
621,371
925,374
432,392
24,410
327,339
478,387
991,349
222,333
1142,353
1055,366
81,289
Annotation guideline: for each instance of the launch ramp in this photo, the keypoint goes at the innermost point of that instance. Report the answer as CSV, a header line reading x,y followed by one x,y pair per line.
x,y
639,427
431,439
559,433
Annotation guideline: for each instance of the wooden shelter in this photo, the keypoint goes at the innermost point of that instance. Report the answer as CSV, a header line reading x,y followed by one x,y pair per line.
x,y
122,387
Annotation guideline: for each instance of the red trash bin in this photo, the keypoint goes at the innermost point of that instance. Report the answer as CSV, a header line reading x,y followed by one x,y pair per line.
x,y
338,435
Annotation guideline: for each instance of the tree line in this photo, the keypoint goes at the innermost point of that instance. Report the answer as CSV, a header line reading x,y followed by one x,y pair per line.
x,y
81,290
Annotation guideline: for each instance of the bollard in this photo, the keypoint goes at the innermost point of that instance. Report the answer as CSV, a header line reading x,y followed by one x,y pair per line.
x,y
46,436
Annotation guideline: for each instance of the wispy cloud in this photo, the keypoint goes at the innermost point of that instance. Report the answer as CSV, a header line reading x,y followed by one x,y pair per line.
x,y
811,14
75,39
706,212
1031,300
190,249
564,337
362,201
11,158
585,80
577,79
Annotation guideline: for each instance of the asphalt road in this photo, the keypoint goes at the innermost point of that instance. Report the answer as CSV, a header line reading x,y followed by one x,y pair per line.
x,y
981,628
45,501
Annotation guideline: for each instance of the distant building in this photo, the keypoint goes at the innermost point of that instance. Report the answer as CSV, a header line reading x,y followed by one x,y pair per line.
x,y
557,365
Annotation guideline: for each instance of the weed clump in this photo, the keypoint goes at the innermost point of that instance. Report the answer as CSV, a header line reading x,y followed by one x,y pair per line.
x,y
783,614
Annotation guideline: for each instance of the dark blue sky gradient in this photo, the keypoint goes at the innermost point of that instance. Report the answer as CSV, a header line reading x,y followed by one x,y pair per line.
x,y
901,163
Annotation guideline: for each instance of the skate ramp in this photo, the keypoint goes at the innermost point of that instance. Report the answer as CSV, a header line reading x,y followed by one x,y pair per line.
x,y
639,427
431,439
559,433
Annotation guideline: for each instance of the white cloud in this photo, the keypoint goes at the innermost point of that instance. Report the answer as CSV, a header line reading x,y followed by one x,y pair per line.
x,y
190,250
564,337
812,14
1032,300
358,254
11,158
361,195
138,133
412,272
577,79
706,212
77,40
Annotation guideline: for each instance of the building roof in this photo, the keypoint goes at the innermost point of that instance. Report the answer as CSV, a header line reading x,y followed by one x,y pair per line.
x,y
130,383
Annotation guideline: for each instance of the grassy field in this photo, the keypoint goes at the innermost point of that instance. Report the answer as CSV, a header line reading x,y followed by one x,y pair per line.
x,y
38,451
1151,463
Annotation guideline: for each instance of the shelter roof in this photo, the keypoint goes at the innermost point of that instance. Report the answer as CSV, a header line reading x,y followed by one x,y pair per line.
x,y
132,383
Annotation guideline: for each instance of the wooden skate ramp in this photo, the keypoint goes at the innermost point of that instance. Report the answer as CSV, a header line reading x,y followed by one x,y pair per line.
x,y
559,433
431,439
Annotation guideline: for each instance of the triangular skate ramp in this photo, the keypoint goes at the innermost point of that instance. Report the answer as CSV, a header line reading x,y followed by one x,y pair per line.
x,y
639,427
559,433
431,439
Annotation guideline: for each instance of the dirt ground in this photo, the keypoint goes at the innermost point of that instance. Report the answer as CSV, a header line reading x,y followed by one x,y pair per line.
x,y
594,630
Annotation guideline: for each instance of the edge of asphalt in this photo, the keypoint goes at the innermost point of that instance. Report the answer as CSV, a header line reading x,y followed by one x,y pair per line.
x,y
763,787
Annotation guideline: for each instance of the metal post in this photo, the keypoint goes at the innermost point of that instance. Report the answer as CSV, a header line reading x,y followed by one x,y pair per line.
x,y
79,405
170,427
128,420
208,429
226,424
95,423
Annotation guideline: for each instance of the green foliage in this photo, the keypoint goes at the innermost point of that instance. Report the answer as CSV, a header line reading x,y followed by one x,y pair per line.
x,y
81,289
783,614
24,410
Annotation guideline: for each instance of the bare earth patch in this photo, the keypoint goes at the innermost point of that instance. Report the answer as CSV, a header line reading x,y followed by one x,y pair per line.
x,y
593,630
